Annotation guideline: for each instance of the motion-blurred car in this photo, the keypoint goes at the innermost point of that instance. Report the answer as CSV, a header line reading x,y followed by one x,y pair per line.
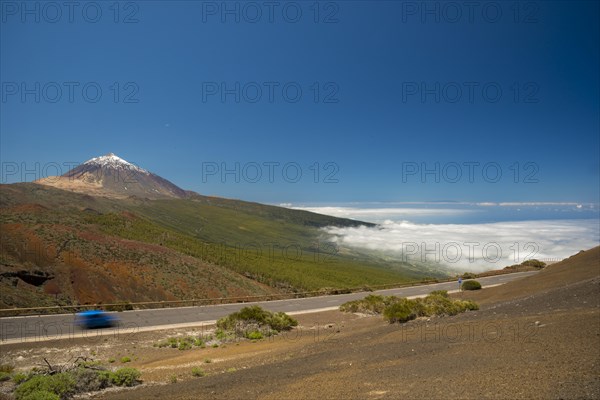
x,y
95,319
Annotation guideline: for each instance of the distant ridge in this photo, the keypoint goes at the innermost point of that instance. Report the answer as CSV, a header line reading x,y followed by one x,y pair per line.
x,y
112,176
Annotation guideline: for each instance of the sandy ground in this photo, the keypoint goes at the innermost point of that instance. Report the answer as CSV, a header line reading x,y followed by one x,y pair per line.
x,y
532,338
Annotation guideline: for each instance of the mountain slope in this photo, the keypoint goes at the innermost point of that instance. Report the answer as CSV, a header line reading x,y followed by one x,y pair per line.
x,y
111,176
63,247
109,230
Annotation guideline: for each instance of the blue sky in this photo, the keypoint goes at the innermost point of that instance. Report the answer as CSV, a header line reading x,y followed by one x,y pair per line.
x,y
380,101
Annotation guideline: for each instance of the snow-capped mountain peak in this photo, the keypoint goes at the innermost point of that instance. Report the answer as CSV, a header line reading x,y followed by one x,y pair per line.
x,y
111,176
111,160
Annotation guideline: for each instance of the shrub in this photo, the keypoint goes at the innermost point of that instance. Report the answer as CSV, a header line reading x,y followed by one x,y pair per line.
x,y
89,380
125,377
111,360
469,275
467,305
7,368
280,321
62,385
41,395
197,371
471,285
396,309
534,263
20,378
436,304
4,376
254,316
184,345
207,360
125,360
254,335
400,311
372,304
220,334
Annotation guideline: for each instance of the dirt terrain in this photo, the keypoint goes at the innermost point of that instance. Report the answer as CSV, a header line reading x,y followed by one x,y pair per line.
x,y
533,338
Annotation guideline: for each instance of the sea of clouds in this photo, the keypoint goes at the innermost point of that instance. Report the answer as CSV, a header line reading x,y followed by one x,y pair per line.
x,y
462,246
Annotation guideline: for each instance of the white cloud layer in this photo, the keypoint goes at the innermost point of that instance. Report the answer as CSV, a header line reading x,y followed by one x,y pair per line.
x,y
383,214
473,247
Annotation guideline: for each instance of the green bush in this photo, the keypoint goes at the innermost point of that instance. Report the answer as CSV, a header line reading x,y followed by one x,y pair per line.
x,y
184,345
197,371
125,359
395,309
220,334
4,376
371,304
467,305
254,335
436,304
280,321
252,314
62,385
41,395
534,263
255,316
20,378
89,380
125,377
469,275
401,311
7,368
471,285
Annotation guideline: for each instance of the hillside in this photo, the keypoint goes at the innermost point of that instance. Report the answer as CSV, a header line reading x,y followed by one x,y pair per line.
x,y
581,267
63,247
534,338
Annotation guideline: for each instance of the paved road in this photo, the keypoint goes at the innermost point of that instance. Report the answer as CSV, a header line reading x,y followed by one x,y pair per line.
x,y
35,328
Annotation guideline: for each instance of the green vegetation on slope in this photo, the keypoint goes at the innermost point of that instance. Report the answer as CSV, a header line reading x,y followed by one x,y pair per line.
x,y
275,252
176,248
400,309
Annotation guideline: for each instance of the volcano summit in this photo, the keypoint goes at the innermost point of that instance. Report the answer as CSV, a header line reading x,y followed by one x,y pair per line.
x,y
112,176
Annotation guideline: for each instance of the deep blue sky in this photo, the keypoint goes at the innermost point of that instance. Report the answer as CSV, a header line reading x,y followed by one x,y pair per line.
x,y
372,55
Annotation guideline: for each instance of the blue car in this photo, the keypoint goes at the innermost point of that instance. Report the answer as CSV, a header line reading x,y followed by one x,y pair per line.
x,y
95,319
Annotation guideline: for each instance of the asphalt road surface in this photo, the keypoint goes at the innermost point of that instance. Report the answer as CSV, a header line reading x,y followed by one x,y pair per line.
x,y
46,327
